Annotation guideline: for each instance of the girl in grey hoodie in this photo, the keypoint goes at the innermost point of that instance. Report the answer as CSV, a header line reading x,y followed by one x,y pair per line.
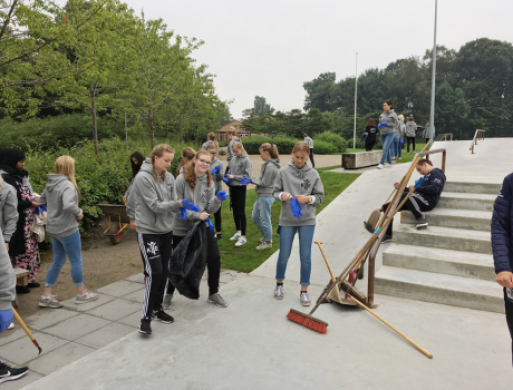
x,y
218,181
239,168
388,122
232,136
61,198
298,182
261,215
8,211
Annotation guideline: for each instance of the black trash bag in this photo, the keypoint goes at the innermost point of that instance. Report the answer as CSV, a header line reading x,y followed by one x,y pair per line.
x,y
188,261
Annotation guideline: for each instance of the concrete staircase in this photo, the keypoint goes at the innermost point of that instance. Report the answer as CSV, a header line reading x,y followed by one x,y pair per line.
x,y
450,261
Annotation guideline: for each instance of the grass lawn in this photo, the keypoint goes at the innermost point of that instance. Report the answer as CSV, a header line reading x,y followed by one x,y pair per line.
x,y
246,258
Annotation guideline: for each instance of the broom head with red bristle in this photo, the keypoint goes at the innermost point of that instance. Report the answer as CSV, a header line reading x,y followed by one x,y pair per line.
x,y
308,321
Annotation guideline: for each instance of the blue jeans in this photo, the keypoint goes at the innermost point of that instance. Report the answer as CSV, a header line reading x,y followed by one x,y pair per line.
x,y
69,246
397,145
287,234
387,141
261,216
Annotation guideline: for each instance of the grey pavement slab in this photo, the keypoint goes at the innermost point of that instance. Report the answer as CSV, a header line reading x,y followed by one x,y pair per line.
x,y
133,320
105,335
116,310
11,335
30,377
58,358
84,307
23,350
46,317
136,296
139,278
121,288
77,327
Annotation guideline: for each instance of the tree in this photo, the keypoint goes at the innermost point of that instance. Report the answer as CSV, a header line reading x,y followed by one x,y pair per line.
x,y
318,92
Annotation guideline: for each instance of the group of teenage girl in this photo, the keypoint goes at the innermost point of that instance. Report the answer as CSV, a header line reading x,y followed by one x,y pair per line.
x,y
155,197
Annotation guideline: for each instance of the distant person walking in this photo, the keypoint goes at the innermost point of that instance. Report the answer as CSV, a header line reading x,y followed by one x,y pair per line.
x,y
8,211
211,140
411,134
399,136
429,132
218,181
388,123
310,143
232,136
371,131
187,156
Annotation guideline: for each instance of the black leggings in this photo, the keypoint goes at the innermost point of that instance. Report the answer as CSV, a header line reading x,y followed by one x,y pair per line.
x,y
408,141
213,263
238,195
312,157
369,143
217,219
508,304
415,203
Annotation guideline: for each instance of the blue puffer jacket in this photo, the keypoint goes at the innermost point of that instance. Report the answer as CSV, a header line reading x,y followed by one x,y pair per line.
x,y
502,227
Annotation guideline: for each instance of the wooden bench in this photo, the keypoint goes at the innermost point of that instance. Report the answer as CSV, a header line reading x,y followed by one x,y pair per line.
x,y
361,159
21,276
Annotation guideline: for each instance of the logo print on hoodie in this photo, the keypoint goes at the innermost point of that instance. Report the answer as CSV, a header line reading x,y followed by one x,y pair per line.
x,y
207,194
306,184
152,248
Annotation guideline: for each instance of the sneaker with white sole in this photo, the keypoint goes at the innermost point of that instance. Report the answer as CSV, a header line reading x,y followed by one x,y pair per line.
x,y
162,316
380,166
262,239
87,297
8,373
11,327
241,241
235,237
278,292
166,303
145,327
49,301
264,245
421,222
217,299
388,165
305,298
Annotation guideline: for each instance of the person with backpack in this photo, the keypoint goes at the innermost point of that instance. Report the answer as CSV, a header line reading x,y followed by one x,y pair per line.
x,y
411,134
371,132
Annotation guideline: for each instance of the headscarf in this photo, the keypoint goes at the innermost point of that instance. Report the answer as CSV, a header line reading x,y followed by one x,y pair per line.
x,y
9,158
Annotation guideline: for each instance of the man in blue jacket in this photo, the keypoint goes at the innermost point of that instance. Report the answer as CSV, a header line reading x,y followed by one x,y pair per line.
x,y
502,245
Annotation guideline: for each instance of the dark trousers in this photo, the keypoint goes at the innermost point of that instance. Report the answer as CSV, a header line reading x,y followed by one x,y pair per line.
x,y
238,198
312,157
213,263
508,304
217,219
408,141
155,252
415,203
369,143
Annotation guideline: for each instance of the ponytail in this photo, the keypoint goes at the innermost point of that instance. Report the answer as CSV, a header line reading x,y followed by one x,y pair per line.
x,y
271,149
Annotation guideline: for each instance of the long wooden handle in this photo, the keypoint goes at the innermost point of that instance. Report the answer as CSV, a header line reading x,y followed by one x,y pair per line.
x,y
429,355
26,329
333,278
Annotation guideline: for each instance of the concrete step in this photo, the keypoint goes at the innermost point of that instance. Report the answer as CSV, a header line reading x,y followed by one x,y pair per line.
x,y
439,288
472,188
441,261
464,219
445,238
460,200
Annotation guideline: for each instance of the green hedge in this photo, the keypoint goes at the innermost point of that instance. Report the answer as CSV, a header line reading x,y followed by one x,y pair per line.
x,y
331,138
361,145
285,145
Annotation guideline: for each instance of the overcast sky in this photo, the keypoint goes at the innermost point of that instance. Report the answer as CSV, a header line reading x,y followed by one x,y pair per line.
x,y
269,48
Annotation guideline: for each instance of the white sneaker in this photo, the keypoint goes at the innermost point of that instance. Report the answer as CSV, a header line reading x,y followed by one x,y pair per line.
x,y
87,297
263,246
262,239
11,327
305,298
278,292
241,241
388,165
380,166
235,237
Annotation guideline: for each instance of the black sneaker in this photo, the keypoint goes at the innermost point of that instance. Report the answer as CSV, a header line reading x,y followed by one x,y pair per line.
x,y
219,237
8,373
34,285
22,289
387,238
145,326
162,316
421,222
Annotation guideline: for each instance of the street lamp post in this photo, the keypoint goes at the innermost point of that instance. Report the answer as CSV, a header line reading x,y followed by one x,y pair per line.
x,y
432,110
355,95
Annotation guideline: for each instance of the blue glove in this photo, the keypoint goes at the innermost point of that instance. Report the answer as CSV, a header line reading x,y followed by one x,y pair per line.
x,y
295,207
418,182
189,205
183,213
401,141
384,124
222,196
226,180
40,209
6,318
245,180
209,224
215,169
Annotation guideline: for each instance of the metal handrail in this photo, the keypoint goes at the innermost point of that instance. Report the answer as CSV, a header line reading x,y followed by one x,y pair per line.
x,y
390,210
479,135
444,136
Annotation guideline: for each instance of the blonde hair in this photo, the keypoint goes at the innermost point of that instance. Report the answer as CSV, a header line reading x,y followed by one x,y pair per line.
x,y
401,117
187,154
188,172
212,137
211,146
232,131
65,165
158,151
271,149
238,145
301,146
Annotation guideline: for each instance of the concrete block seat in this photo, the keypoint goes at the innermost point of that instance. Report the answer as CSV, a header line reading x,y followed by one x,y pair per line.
x,y
361,159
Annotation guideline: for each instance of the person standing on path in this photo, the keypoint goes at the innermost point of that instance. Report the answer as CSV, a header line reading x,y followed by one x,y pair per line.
x,y
299,188
136,160
310,143
61,197
261,215
23,247
371,131
211,140
399,137
8,211
388,123
429,132
411,134
218,181
232,136
197,186
502,246
187,156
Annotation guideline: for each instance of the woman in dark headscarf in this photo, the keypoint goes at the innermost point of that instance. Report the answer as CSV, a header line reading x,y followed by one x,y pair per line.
x,y
23,248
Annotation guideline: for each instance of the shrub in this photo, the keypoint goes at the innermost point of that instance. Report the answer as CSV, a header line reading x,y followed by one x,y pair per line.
x,y
332,138
322,147
222,152
284,145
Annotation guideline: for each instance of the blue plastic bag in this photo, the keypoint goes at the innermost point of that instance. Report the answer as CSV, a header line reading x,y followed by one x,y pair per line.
x,y
222,196
296,208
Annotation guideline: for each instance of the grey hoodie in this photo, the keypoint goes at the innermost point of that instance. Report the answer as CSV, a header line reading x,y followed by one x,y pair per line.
x,y
218,177
203,196
61,200
429,132
205,144
230,150
391,118
8,210
240,167
304,181
152,205
7,279
411,129
401,128
268,173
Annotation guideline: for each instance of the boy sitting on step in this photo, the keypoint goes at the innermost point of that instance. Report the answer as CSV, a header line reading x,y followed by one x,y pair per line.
x,y
424,198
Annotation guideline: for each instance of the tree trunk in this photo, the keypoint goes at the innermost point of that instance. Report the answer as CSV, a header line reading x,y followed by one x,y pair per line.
x,y
152,128
95,122
167,128
180,131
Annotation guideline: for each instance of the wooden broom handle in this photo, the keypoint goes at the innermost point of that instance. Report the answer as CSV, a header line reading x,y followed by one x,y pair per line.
x,y
333,278
22,324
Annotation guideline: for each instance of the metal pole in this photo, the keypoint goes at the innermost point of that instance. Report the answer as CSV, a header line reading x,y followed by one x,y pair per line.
x,y
126,133
355,95
432,111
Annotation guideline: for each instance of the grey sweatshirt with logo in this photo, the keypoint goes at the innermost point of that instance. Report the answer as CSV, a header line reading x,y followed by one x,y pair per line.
x,y
268,174
61,200
8,210
152,205
230,150
411,129
391,118
304,181
401,128
218,177
240,167
7,279
203,196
